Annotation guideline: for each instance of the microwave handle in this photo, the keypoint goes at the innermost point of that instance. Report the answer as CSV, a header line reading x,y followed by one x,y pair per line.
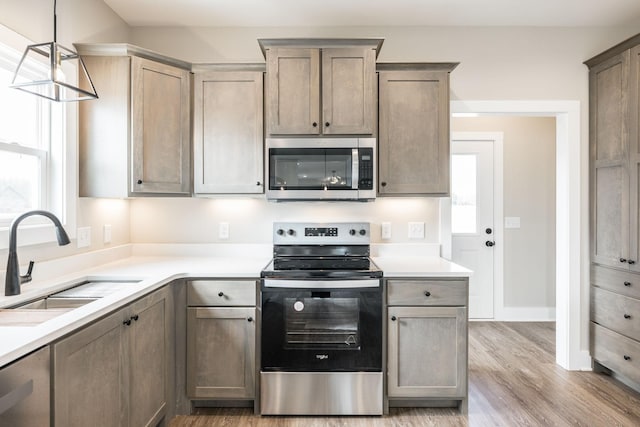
x,y
355,168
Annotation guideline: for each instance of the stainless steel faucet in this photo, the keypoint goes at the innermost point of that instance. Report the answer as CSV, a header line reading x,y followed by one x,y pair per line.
x,y
14,279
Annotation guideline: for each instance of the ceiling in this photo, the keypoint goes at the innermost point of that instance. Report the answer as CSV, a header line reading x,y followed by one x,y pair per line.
x,y
274,13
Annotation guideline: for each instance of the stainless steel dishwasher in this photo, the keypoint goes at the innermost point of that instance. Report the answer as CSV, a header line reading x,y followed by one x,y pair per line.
x,y
24,391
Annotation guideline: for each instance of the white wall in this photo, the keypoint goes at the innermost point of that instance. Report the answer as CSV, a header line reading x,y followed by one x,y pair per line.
x,y
528,193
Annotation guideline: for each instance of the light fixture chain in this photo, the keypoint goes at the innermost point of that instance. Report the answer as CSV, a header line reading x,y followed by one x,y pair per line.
x,y
55,23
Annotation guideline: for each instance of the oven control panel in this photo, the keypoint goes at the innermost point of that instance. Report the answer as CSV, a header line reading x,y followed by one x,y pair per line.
x,y
302,233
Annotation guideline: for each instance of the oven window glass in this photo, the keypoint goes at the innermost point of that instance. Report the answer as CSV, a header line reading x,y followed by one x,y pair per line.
x,y
322,323
310,168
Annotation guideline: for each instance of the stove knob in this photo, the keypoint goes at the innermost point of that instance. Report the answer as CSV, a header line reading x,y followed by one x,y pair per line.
x,y
352,232
280,232
291,232
363,232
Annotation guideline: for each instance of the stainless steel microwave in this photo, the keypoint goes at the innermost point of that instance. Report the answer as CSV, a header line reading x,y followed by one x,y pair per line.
x,y
321,169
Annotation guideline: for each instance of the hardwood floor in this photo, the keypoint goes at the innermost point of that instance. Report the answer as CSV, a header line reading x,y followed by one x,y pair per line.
x,y
513,381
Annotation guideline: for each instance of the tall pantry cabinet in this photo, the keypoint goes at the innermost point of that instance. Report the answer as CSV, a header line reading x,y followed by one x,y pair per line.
x,y
614,122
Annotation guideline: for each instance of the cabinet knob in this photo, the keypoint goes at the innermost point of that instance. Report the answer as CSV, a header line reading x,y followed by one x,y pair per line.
x,y
427,294
627,284
314,124
631,262
394,318
627,316
626,357
327,124
258,184
139,181
623,260
127,322
135,317
220,294
384,184
249,319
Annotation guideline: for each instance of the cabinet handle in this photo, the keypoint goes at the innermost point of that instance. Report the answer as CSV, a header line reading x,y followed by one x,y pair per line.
x,y
626,357
627,284
127,322
220,294
631,262
139,181
249,319
314,124
384,184
394,318
327,124
623,260
135,317
627,316
427,294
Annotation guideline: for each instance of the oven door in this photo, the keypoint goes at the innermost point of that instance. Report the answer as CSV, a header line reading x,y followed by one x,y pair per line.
x,y
317,326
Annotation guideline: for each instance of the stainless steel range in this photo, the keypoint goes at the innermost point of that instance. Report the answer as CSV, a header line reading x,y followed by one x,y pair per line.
x,y
321,336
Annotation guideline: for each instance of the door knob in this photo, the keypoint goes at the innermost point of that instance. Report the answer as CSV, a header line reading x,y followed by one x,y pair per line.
x,y
489,243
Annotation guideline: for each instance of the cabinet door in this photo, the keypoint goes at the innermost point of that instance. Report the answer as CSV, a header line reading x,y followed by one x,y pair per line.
x,y
147,357
427,352
609,110
160,128
348,91
414,133
221,353
293,91
228,139
89,376
634,158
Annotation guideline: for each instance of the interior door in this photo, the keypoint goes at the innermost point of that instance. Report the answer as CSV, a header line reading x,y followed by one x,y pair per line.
x,y
472,228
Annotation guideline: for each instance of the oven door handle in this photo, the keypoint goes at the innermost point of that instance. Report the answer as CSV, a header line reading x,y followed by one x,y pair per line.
x,y
321,284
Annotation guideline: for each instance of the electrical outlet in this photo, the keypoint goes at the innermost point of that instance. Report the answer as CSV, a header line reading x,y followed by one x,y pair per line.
x,y
385,231
223,231
83,237
106,233
416,230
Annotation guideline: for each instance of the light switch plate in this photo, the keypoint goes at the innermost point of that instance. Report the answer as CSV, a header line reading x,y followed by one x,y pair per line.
x,y
416,230
106,233
511,222
223,231
385,230
83,237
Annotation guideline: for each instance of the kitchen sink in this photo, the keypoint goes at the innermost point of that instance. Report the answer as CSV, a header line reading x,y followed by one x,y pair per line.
x,y
78,294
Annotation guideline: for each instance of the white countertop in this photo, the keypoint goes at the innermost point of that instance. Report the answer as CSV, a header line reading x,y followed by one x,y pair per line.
x,y
154,271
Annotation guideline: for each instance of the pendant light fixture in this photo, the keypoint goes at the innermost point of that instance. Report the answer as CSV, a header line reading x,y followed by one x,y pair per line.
x,y
41,71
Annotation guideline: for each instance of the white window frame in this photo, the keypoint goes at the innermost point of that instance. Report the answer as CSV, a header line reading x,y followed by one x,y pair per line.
x,y
58,163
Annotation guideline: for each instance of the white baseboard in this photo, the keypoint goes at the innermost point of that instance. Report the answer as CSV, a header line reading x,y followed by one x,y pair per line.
x,y
526,314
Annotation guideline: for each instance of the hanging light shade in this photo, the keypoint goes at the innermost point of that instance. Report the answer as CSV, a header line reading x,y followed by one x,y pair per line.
x,y
41,71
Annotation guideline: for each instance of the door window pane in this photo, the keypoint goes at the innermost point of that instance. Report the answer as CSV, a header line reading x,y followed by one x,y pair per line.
x,y
463,193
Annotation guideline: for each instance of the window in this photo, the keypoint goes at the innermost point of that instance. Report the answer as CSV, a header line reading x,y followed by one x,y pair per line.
x,y
35,160
463,193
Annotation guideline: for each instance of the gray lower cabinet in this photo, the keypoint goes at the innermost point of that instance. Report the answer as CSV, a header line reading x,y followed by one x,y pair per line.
x,y
228,132
221,335
427,341
25,391
413,134
116,371
136,138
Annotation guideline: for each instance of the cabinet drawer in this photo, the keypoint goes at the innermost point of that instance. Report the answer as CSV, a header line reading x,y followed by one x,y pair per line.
x,y
622,282
616,312
427,292
616,352
221,293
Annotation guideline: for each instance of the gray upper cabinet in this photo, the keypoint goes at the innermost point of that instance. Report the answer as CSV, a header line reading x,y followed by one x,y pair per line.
x,y
135,139
615,159
228,132
321,87
413,141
